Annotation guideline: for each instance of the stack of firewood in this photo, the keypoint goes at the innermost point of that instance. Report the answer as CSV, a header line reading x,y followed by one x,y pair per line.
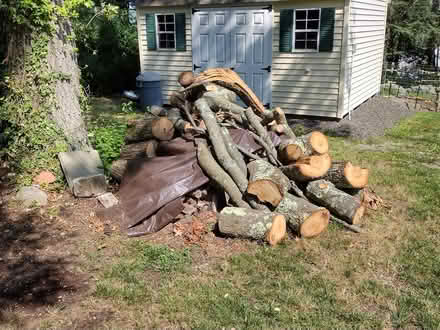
x,y
293,184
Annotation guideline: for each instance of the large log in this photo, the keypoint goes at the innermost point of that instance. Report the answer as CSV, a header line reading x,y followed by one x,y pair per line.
x,y
341,204
216,138
289,152
253,224
118,169
233,151
141,130
267,182
308,168
304,218
139,150
215,172
163,129
346,176
314,143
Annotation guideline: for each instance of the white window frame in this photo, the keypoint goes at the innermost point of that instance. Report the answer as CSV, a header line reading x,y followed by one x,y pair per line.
x,y
158,32
305,31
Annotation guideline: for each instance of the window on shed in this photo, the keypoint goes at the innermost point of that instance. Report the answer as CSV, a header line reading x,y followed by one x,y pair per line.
x,y
166,31
306,35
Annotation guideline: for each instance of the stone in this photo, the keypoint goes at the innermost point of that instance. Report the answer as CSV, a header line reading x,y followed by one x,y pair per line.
x,y
84,172
30,195
44,177
89,186
108,200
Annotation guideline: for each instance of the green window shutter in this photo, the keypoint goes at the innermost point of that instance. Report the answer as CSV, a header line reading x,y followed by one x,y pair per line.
x,y
327,29
151,31
286,30
180,32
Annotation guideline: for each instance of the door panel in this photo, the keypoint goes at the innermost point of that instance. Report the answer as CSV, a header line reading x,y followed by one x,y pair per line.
x,y
238,38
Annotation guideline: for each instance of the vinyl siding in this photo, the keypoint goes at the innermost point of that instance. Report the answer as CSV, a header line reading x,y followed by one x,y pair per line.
x,y
169,63
293,89
366,41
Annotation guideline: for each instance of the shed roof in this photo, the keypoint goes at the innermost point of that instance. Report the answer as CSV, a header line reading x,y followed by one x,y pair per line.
x,y
165,3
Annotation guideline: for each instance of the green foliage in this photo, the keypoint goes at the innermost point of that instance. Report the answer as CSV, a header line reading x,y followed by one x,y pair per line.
x,y
128,107
107,137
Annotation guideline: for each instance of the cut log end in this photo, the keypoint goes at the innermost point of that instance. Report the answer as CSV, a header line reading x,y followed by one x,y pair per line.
x,y
277,231
163,129
291,154
356,176
186,78
314,166
358,215
319,143
315,224
266,191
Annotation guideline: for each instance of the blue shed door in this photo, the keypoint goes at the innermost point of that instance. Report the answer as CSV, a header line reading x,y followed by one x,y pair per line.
x,y
237,38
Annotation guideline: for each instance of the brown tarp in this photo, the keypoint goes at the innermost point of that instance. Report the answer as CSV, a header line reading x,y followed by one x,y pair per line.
x,y
151,191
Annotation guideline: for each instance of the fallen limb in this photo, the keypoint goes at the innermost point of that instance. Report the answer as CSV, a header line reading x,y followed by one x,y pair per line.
x,y
280,118
353,228
233,151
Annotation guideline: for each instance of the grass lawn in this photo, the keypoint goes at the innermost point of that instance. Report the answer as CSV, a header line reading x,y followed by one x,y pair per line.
x,y
387,277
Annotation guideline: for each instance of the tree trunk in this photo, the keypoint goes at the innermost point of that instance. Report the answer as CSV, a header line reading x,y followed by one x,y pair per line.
x,y
308,168
304,218
314,143
341,204
139,150
289,152
267,182
118,169
346,176
253,224
67,112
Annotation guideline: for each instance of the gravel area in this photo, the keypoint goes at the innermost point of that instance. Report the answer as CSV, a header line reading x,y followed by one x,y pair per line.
x,y
368,120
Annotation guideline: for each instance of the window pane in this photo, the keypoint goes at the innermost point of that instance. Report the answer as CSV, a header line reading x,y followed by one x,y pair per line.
x,y
160,18
162,44
312,24
312,35
171,44
162,37
301,25
313,14
300,36
312,45
300,44
161,27
170,36
301,14
170,27
170,18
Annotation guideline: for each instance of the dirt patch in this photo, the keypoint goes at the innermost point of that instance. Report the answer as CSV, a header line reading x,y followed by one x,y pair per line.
x,y
370,119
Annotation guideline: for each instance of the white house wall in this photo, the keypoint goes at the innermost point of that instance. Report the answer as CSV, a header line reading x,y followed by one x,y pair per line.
x,y
366,41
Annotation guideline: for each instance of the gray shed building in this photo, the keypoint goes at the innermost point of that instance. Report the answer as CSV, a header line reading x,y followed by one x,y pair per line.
x,y
314,58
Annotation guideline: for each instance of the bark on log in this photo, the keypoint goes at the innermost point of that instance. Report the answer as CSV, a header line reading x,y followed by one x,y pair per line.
x,y
280,118
267,182
163,129
219,91
253,224
233,151
181,125
346,176
142,130
139,150
338,202
308,168
217,141
314,143
118,169
304,218
214,171
289,152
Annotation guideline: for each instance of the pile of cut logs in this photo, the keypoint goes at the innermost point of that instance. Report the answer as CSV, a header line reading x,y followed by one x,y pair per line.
x,y
293,185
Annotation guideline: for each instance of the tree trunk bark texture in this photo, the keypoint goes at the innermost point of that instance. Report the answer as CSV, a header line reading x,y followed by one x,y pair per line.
x,y
346,176
139,150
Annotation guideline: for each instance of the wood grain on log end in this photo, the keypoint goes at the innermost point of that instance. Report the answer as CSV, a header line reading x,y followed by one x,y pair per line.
x,y
266,191
289,152
278,231
186,78
314,166
356,176
163,129
315,224
318,142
